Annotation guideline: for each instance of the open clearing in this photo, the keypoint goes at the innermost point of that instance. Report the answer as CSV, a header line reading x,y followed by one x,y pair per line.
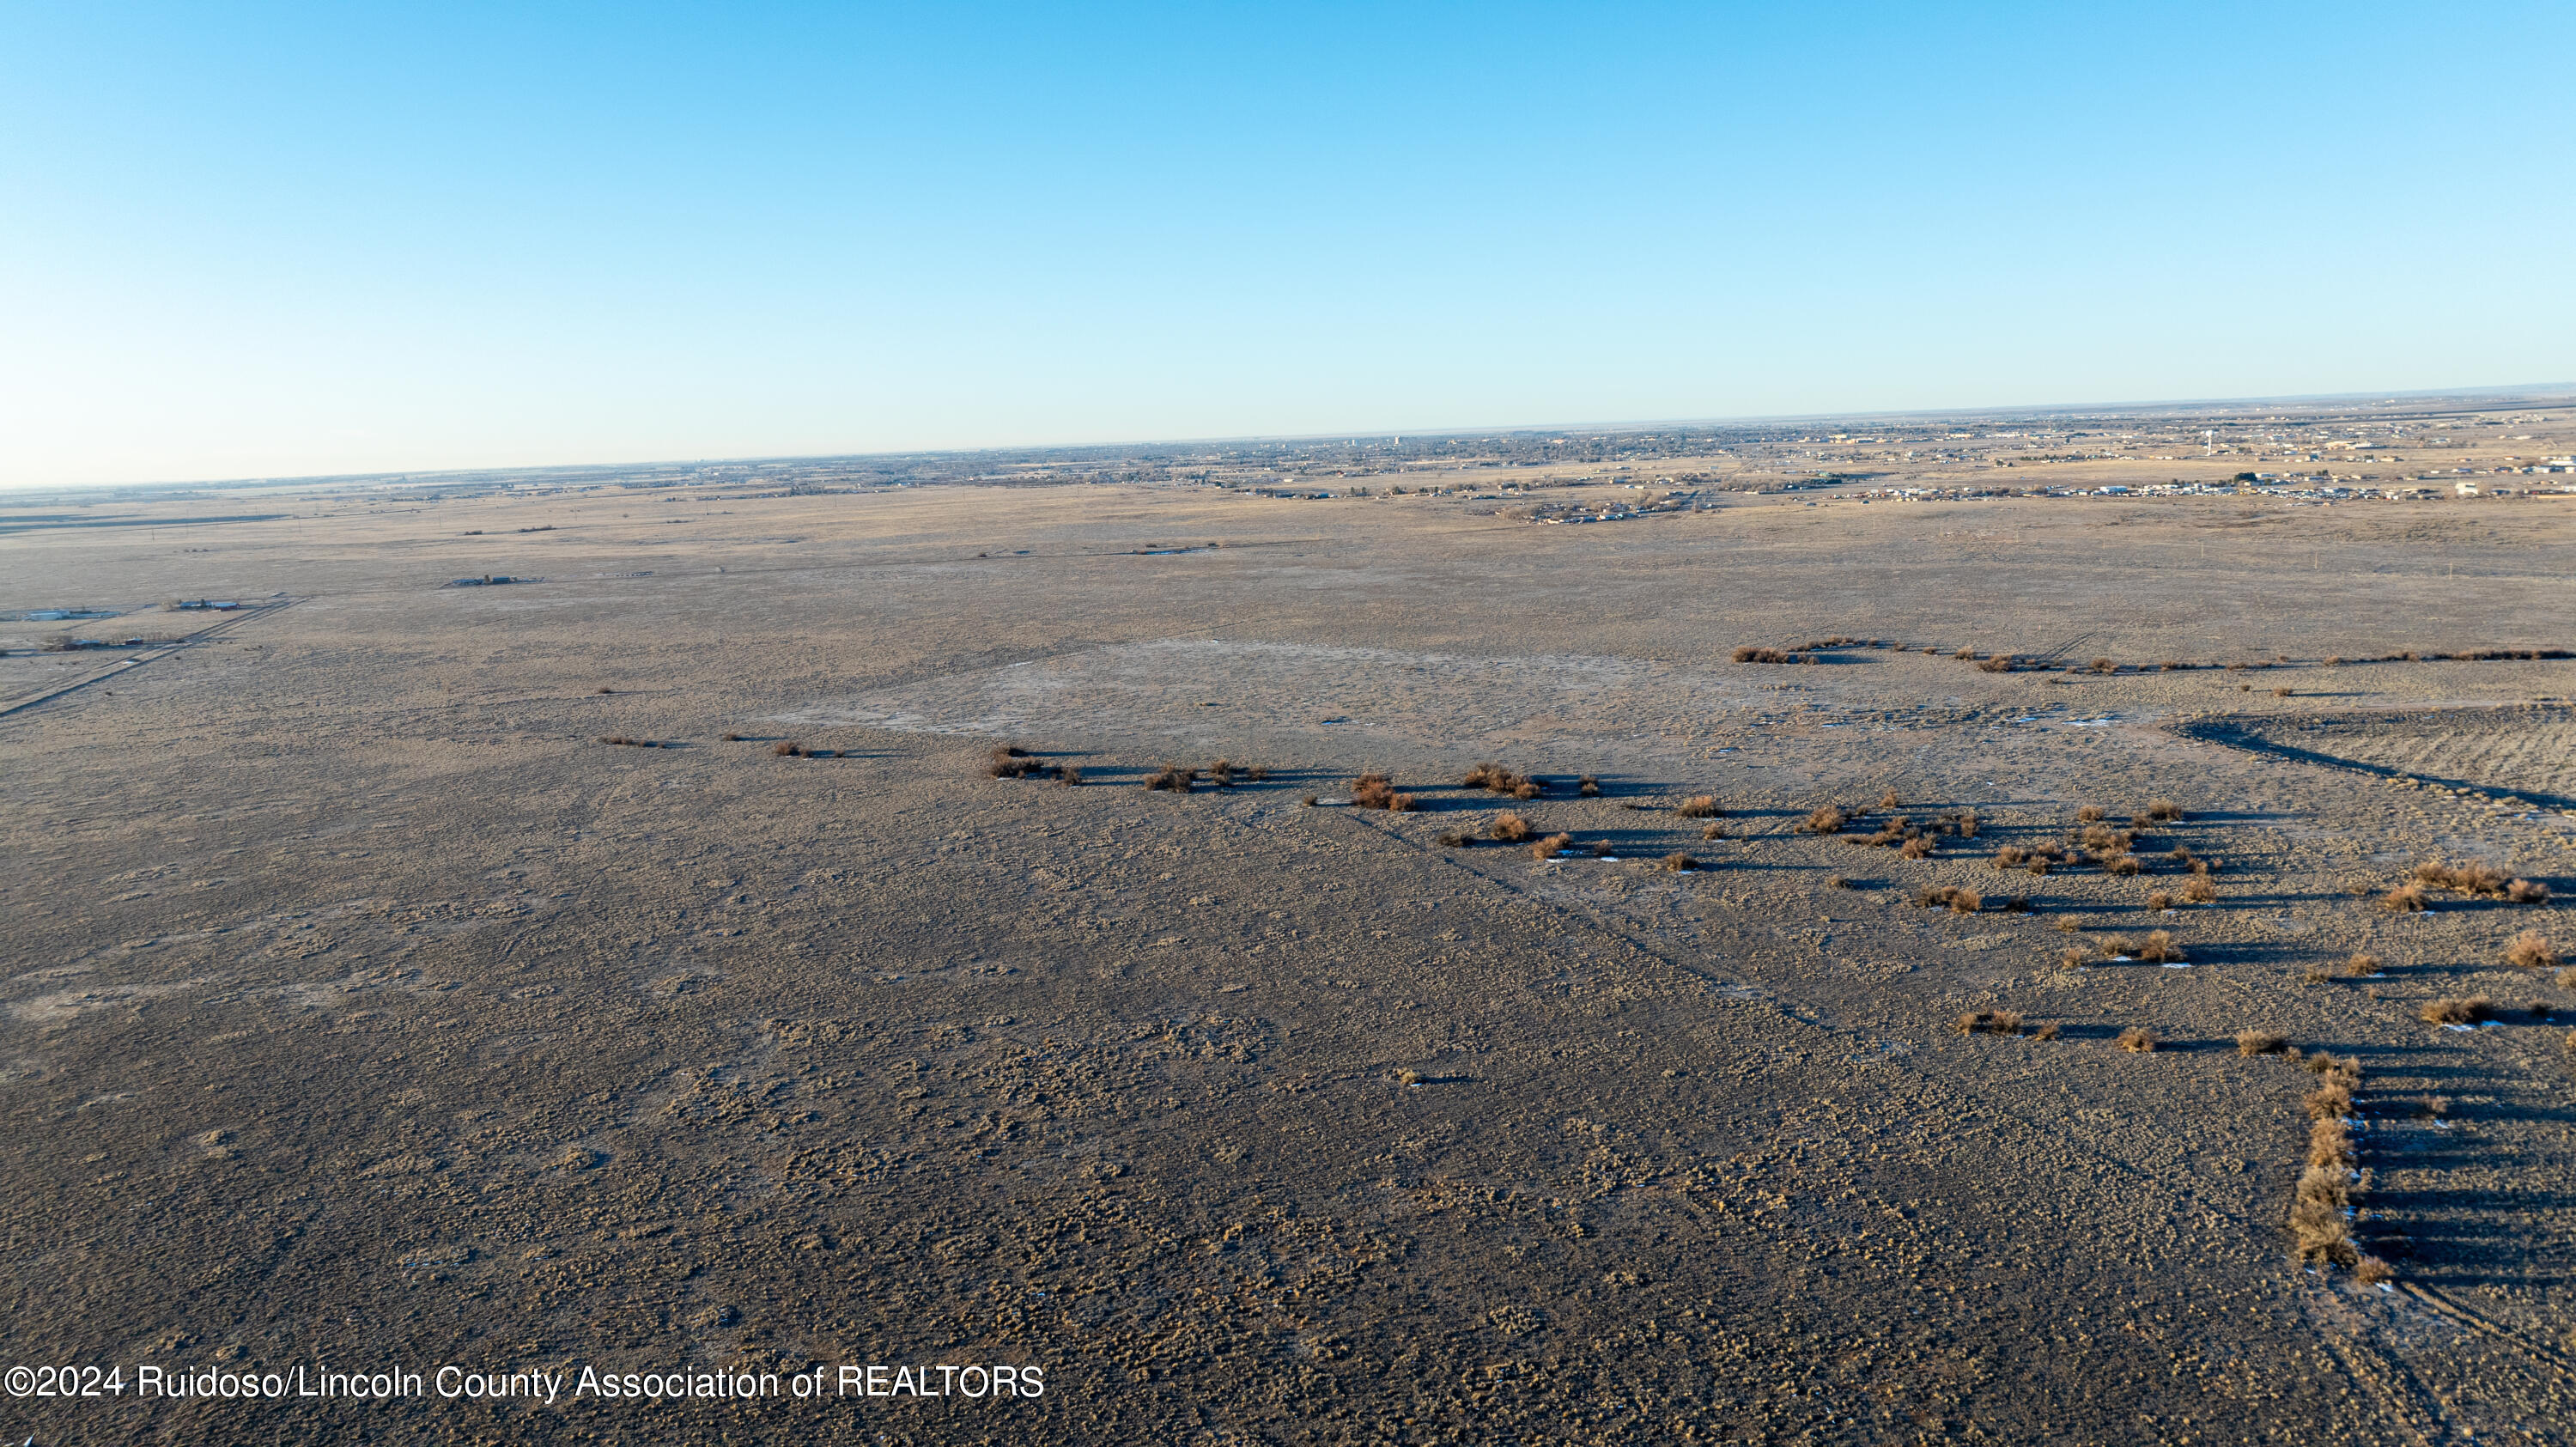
x,y
364,1007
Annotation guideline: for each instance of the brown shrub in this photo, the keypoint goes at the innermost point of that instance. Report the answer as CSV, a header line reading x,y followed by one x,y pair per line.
x,y
1603,848
1455,839
2404,899
2000,663
1509,828
1588,787
2361,966
2170,664
2104,665
1714,829
1889,800
2160,949
1372,790
2159,900
2164,811
1989,1022
2530,950
1257,773
1748,653
1548,848
1827,820
1677,863
2075,958
1698,806
2138,1040
1838,882
2261,1042
1221,773
1068,776
1966,824
2011,856
2198,890
733,738
1528,789
2117,947
1173,779
2526,891
2456,1011
2123,865
2371,1270
1918,847
2475,877
1950,897
2091,814
787,749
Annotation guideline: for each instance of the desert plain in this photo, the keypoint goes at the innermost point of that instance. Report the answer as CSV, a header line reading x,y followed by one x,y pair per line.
x,y
367,1010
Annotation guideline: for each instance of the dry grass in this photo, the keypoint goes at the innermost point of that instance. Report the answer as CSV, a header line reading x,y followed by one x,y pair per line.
x,y
1551,846
1699,806
1495,779
2138,1040
2198,890
1950,897
2453,1011
2261,1042
2404,899
1677,863
1010,762
2531,950
2160,949
2476,877
2322,1207
1827,820
1374,790
1509,828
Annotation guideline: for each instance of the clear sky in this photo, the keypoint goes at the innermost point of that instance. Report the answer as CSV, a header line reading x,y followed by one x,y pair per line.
x,y
246,239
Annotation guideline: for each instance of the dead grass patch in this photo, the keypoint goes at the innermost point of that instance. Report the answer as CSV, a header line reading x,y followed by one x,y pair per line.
x,y
1950,897
2456,1011
2531,950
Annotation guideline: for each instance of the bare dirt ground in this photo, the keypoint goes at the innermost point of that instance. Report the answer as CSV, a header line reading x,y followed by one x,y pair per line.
x,y
363,1009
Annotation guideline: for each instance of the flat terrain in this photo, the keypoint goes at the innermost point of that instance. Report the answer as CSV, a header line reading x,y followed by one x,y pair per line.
x,y
364,1008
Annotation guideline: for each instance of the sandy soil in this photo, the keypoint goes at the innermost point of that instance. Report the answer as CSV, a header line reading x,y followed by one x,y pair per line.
x,y
364,1009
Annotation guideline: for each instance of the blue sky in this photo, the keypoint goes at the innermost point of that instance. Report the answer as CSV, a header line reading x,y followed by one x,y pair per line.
x,y
250,240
